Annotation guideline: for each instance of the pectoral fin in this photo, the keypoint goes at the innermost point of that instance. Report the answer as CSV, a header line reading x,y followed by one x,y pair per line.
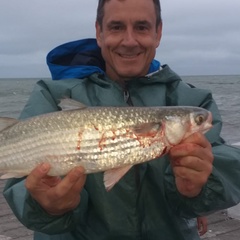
x,y
147,129
112,176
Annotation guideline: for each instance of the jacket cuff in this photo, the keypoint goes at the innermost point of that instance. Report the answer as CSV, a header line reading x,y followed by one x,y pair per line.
x,y
34,217
210,199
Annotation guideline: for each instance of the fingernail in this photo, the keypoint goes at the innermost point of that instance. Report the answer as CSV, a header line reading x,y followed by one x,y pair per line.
x,y
78,172
45,167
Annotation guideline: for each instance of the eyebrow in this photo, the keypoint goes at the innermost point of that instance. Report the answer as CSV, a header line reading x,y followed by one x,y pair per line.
x,y
144,22
140,22
112,23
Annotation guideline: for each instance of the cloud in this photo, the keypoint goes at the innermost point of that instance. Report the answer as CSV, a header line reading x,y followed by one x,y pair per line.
x,y
201,37
198,37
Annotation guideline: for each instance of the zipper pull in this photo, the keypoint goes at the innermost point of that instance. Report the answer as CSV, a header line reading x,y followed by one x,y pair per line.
x,y
126,96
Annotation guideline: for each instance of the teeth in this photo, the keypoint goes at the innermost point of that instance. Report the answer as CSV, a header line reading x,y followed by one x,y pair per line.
x,y
128,56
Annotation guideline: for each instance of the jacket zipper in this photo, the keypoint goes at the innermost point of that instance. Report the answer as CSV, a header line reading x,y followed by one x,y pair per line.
x,y
128,100
127,97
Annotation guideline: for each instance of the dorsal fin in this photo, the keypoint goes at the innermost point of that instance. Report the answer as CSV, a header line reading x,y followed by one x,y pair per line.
x,y
70,104
6,122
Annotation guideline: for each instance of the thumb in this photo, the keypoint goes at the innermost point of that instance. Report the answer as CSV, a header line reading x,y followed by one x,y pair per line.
x,y
37,175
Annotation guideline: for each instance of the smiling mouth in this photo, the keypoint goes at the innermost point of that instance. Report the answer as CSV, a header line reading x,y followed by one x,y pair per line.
x,y
126,56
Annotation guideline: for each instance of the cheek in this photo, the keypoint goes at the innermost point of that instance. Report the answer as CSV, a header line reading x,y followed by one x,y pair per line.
x,y
107,47
110,40
175,132
150,45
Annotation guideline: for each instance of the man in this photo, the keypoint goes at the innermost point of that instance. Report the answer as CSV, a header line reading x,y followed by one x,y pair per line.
x,y
155,200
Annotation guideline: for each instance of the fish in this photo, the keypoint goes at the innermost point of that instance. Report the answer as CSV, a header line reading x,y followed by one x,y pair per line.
x,y
100,139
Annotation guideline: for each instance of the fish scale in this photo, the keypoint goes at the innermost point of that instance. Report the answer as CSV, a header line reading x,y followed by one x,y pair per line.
x,y
97,138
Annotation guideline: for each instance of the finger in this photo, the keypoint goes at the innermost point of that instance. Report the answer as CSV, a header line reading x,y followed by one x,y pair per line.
x,y
191,150
192,162
51,181
203,230
185,173
75,176
197,138
36,176
188,148
191,177
78,186
188,162
204,227
199,224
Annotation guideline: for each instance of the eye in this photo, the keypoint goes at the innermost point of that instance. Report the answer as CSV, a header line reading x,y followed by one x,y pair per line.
x,y
116,28
199,119
141,28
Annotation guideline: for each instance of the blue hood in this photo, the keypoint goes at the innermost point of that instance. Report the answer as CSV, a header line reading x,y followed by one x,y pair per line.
x,y
79,59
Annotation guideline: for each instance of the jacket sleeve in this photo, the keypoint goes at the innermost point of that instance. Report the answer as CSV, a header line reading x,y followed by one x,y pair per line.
x,y
222,189
26,209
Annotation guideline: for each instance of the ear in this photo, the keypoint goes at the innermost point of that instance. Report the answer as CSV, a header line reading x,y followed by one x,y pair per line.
x,y
159,34
98,33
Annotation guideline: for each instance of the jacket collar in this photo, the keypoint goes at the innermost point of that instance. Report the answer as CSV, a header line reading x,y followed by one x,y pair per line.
x,y
80,59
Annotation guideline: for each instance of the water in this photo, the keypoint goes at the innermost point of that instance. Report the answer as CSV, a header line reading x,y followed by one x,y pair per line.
x,y
226,91
14,94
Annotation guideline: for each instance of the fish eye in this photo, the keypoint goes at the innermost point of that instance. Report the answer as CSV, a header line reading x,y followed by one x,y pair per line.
x,y
199,119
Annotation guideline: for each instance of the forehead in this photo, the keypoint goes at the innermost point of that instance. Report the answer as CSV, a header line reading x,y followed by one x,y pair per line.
x,y
124,10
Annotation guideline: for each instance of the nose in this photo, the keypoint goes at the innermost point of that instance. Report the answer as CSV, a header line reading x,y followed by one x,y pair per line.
x,y
129,38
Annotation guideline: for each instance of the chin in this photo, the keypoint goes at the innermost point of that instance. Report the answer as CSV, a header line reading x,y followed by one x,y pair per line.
x,y
130,73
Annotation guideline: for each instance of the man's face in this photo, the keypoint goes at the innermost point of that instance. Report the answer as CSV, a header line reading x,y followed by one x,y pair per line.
x,y
128,38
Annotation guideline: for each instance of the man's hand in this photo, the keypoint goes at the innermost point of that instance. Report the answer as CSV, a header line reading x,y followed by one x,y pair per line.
x,y
202,225
191,161
55,195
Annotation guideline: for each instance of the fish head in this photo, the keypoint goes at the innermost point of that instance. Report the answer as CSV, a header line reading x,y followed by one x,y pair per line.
x,y
185,122
201,121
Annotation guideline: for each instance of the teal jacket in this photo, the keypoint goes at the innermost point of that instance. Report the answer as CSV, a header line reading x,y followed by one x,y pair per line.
x,y
145,204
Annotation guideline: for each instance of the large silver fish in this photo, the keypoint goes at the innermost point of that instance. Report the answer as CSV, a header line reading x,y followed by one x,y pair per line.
x,y
110,139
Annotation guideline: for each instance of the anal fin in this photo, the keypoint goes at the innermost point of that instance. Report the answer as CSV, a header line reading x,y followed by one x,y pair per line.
x,y
13,175
112,176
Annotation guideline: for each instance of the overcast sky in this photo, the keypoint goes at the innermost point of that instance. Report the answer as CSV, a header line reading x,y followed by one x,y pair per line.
x,y
199,37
